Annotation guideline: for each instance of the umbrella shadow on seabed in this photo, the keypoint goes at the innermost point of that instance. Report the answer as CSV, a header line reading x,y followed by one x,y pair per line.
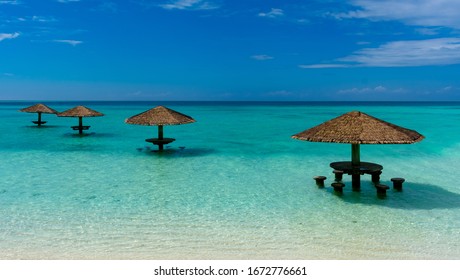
x,y
414,196
175,152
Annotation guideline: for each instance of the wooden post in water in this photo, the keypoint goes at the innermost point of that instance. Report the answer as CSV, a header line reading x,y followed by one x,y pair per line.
x,y
355,162
39,119
160,137
80,125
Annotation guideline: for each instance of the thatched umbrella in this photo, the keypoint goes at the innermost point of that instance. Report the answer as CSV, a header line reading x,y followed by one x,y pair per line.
x,y
357,128
160,116
39,109
80,112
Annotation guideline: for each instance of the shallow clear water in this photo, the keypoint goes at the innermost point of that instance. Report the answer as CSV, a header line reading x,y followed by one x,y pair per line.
x,y
240,189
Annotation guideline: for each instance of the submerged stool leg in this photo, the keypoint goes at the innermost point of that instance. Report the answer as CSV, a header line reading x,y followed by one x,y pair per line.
x,y
397,183
376,176
338,187
319,180
381,190
338,175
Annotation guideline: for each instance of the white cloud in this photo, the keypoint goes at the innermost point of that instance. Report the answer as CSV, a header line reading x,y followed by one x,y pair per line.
x,y
262,57
430,18
446,90
189,5
377,91
412,12
41,19
273,13
67,1
366,90
303,21
442,51
70,42
107,7
380,89
10,2
4,36
427,31
320,66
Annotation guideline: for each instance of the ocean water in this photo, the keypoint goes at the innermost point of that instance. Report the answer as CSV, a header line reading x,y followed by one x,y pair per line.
x,y
234,185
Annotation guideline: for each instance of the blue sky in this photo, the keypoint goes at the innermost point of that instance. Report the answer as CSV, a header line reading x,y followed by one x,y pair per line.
x,y
230,50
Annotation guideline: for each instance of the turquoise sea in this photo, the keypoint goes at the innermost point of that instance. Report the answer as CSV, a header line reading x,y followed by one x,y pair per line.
x,y
234,185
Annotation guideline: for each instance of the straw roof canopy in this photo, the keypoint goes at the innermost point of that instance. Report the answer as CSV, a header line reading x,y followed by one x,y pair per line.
x,y
39,108
80,111
359,128
160,115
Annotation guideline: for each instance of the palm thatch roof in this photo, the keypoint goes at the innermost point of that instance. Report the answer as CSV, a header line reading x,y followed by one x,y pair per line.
x,y
359,128
39,108
80,111
160,115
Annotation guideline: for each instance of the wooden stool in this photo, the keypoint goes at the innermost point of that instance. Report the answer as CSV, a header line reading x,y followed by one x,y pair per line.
x,y
338,175
338,187
397,183
319,180
376,176
381,189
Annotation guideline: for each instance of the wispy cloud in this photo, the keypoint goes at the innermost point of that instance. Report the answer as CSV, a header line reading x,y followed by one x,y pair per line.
x,y
189,5
411,12
365,90
67,1
262,57
70,42
427,31
320,66
379,92
107,6
446,89
441,51
303,21
10,2
4,36
41,19
428,17
273,13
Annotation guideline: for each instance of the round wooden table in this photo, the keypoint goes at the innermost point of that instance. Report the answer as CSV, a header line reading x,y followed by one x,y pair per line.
x,y
357,170
362,168
160,142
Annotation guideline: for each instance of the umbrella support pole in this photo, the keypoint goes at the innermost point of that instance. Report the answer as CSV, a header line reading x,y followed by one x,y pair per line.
x,y
160,137
356,182
355,161
160,141
39,119
80,125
